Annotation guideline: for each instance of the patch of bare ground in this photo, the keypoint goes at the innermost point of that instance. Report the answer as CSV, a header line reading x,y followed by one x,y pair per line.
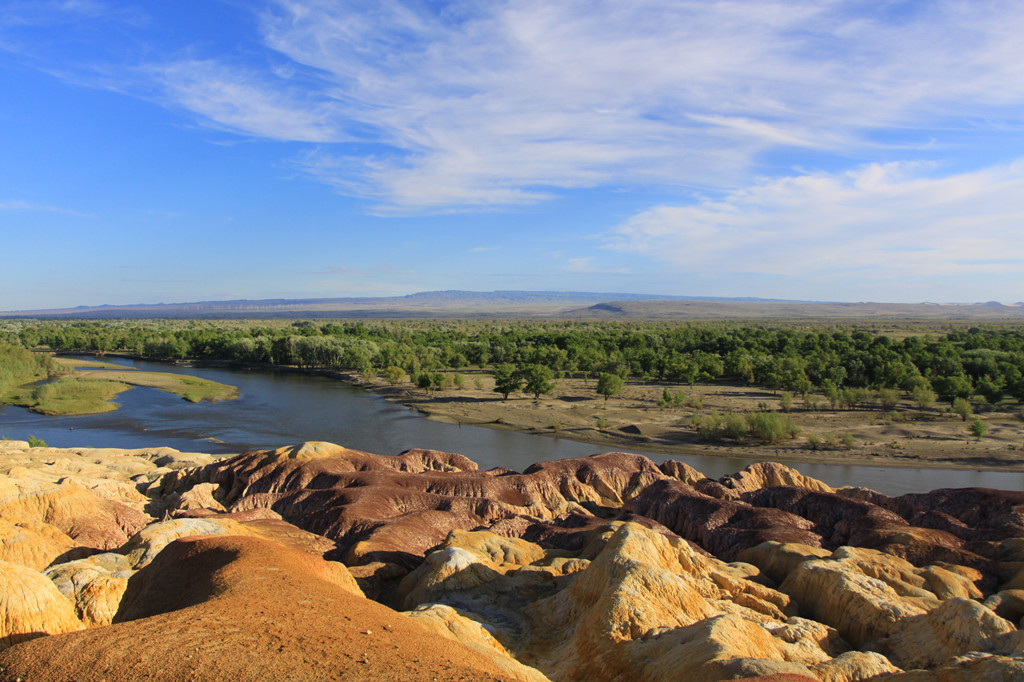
x,y
904,436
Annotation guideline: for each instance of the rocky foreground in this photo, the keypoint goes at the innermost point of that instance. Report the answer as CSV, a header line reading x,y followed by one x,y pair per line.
x,y
319,562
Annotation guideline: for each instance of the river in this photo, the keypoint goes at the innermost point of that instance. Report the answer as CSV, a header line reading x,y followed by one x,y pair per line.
x,y
278,408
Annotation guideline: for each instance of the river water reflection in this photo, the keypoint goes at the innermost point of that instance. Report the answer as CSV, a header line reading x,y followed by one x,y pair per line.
x,y
283,408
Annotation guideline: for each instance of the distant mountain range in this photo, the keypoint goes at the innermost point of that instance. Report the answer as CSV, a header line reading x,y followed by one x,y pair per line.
x,y
557,304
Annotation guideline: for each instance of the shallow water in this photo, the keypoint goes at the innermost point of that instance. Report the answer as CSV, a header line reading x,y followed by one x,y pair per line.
x,y
283,408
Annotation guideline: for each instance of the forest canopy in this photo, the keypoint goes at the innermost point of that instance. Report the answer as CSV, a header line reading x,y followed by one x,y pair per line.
x,y
958,363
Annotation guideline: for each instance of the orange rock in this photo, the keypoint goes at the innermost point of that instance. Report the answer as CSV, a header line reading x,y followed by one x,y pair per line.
x,y
242,608
87,519
32,543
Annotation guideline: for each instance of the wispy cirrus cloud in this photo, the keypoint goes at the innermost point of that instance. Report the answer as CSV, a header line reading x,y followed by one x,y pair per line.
x,y
28,206
242,102
880,222
494,103
427,107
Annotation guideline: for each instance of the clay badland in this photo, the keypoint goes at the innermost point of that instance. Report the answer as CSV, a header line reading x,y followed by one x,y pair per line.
x,y
319,562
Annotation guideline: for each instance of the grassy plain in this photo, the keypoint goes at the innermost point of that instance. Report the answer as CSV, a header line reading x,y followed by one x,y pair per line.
x,y
70,395
192,389
904,436
90,386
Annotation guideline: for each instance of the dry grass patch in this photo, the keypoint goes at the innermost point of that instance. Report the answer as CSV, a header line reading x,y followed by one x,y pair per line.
x,y
640,416
84,363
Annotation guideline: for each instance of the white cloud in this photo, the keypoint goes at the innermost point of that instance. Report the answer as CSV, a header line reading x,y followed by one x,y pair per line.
x,y
504,103
425,106
586,265
885,221
241,101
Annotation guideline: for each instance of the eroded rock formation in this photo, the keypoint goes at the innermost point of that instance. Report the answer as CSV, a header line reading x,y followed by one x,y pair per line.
x,y
605,567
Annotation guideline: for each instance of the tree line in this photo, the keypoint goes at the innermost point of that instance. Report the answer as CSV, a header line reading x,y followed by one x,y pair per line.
x,y
961,363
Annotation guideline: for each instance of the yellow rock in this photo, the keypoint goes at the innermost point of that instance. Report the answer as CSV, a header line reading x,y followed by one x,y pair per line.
x,y
769,474
852,666
955,628
143,547
777,559
499,550
97,602
1008,604
31,606
199,496
897,573
77,512
651,607
32,543
94,585
947,584
447,622
973,668
860,607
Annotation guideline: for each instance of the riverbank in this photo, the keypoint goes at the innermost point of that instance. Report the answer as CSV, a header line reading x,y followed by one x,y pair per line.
x,y
906,436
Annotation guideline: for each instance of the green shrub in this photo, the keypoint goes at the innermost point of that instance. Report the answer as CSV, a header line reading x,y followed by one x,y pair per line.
x,y
710,427
888,398
923,396
394,374
34,442
963,408
771,427
735,426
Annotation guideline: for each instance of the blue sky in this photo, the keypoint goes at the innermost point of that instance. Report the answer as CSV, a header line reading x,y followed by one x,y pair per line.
x,y
203,149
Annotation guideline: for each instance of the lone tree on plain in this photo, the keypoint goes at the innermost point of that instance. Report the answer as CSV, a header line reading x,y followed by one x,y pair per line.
x,y
978,428
538,380
962,408
609,385
506,380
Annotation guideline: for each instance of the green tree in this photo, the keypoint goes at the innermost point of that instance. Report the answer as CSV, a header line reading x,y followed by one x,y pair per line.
x,y
506,380
962,407
888,398
831,392
394,374
978,428
609,384
993,390
952,387
538,380
923,396
439,381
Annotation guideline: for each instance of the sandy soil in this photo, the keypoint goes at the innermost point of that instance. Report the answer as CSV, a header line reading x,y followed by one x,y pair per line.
x,y
906,437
